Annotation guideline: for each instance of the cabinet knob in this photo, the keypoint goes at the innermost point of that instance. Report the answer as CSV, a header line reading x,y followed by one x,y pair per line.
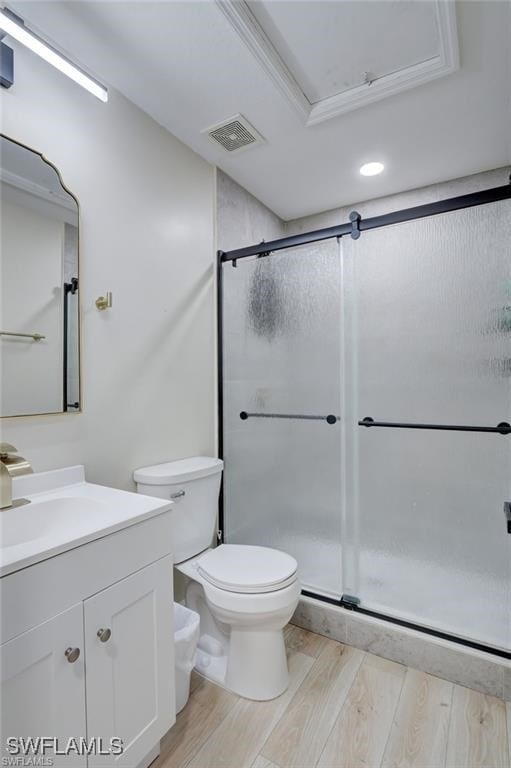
x,y
104,634
72,654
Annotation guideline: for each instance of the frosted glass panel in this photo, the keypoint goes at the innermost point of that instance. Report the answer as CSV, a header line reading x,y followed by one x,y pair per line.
x,y
282,483
428,308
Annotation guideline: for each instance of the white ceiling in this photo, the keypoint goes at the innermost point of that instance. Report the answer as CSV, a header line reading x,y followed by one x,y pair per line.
x,y
186,65
400,34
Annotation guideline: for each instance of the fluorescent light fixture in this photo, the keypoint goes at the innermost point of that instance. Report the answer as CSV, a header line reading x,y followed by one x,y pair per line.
x,y
15,28
371,169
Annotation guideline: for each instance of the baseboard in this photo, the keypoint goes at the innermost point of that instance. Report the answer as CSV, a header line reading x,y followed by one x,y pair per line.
x,y
451,661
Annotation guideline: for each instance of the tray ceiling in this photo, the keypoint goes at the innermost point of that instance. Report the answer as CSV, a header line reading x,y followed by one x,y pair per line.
x,y
328,57
197,63
400,35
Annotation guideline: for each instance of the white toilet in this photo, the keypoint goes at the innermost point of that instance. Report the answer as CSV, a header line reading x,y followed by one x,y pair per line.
x,y
244,595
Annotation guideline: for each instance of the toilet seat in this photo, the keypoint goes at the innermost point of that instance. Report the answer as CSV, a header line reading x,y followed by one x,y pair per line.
x,y
247,569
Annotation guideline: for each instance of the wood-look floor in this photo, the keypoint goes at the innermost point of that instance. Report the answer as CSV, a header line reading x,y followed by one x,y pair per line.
x,y
344,709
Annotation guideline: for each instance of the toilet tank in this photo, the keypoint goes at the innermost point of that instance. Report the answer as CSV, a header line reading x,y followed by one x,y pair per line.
x,y
193,485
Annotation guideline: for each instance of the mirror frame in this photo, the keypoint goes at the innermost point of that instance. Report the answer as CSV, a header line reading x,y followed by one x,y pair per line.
x,y
79,410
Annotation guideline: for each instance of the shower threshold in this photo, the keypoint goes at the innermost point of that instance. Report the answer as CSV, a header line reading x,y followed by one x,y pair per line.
x,y
347,604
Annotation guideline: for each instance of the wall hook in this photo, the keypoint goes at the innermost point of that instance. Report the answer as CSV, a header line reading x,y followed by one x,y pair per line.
x,y
104,302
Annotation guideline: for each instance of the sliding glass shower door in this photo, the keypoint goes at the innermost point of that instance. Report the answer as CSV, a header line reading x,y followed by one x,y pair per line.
x,y
282,348
366,385
427,308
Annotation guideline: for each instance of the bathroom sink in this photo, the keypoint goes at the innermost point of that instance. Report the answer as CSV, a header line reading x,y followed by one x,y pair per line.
x,y
63,512
44,518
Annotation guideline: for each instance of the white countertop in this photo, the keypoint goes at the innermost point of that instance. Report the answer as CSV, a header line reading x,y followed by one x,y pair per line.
x,y
65,512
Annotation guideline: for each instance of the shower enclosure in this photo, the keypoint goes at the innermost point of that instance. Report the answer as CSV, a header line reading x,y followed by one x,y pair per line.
x,y
365,400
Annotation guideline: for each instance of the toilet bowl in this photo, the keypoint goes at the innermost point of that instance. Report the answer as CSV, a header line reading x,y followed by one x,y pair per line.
x,y
244,594
241,643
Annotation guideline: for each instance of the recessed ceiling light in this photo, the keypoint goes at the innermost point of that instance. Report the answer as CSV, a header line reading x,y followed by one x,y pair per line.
x,y
371,169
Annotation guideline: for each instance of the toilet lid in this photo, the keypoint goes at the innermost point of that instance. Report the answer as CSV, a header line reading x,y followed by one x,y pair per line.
x,y
243,568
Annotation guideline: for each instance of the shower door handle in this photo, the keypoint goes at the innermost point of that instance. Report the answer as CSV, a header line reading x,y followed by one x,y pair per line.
x,y
507,512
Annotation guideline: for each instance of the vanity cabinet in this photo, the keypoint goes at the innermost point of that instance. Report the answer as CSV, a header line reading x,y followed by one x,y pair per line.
x,y
43,694
102,666
128,634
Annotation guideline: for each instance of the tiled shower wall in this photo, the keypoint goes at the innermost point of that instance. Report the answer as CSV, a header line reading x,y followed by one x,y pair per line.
x,y
241,218
381,205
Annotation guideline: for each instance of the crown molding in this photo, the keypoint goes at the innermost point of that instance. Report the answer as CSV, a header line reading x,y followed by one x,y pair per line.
x,y
250,31
241,18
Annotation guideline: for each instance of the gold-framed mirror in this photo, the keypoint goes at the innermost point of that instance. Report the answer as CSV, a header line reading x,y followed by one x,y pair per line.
x,y
39,286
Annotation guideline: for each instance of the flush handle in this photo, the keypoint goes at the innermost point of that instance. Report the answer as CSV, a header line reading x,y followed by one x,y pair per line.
x,y
72,654
104,634
178,495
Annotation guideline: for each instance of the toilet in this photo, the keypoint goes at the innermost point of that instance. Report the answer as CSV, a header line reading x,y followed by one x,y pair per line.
x,y
244,595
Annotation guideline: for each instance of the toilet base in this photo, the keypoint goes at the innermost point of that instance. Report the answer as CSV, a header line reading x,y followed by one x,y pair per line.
x,y
264,677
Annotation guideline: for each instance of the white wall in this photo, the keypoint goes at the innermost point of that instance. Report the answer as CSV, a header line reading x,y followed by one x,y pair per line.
x,y
147,234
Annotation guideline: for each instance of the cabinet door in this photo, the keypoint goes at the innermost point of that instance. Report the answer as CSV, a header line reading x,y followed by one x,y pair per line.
x,y
43,690
130,663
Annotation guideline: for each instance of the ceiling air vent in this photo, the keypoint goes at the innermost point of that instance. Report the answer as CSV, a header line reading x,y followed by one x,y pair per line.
x,y
234,134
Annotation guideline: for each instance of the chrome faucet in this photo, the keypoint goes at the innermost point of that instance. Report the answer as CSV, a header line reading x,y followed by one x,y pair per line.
x,y
11,466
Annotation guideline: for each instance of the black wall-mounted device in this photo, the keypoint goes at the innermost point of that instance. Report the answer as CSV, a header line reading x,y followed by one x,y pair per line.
x,y
6,65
